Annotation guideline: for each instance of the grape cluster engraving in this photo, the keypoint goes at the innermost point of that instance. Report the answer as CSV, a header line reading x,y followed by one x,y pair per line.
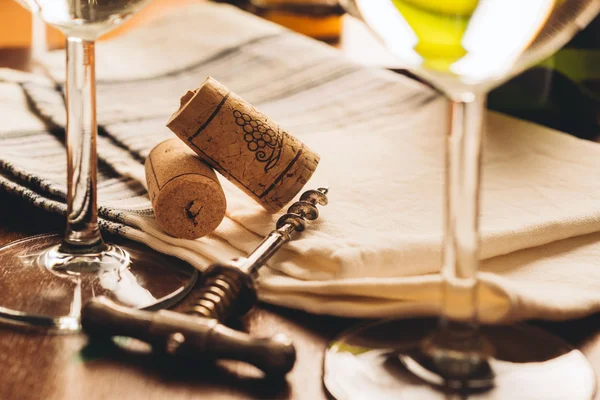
x,y
261,139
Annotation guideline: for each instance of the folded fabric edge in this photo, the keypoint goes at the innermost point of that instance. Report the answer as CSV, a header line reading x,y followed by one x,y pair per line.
x,y
369,307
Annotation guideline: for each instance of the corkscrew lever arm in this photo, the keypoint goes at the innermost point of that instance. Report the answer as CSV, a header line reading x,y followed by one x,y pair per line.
x,y
293,221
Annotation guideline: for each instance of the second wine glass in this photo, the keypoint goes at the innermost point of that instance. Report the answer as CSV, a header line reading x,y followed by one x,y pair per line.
x,y
464,48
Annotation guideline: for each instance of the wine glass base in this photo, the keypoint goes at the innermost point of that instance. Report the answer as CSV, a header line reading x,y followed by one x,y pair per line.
x,y
44,288
382,360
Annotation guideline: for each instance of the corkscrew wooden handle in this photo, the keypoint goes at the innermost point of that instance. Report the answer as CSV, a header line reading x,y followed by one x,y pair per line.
x,y
186,336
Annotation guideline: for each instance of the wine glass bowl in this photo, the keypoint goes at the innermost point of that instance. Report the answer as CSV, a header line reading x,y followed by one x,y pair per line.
x,y
50,277
472,45
464,48
84,19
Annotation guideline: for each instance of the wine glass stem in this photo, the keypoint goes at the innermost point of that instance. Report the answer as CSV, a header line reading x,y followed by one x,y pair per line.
x,y
82,234
461,243
39,42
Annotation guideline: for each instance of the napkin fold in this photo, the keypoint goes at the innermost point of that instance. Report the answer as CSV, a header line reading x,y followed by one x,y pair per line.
x,y
376,249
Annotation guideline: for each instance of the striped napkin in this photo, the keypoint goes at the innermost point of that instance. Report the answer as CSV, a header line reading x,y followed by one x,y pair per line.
x,y
376,249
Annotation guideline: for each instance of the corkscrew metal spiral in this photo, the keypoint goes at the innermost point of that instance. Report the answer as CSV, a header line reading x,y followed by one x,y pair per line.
x,y
229,288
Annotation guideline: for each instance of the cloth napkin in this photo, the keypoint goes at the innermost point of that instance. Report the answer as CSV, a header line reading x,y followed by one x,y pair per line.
x,y
376,249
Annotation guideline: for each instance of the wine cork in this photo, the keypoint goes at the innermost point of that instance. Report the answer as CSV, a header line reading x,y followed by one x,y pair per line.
x,y
186,195
244,145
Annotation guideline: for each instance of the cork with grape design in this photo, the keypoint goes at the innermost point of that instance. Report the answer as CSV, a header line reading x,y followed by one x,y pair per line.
x,y
244,145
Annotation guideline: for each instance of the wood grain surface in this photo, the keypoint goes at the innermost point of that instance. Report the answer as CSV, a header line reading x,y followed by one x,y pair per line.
x,y
38,366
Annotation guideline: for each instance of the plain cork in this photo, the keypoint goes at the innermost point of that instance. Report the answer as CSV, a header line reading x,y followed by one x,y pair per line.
x,y
186,195
243,145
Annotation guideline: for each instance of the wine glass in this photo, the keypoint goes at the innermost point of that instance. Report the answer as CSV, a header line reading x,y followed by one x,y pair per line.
x,y
47,278
464,48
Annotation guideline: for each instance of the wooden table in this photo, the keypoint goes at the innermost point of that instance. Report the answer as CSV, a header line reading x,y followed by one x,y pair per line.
x,y
36,366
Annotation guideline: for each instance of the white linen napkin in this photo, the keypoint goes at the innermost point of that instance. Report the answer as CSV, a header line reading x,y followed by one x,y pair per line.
x,y
376,249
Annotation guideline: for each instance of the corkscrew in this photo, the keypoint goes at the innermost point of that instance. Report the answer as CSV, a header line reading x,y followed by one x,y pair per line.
x,y
229,287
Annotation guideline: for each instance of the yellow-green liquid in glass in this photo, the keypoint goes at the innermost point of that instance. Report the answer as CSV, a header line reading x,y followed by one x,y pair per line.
x,y
439,26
